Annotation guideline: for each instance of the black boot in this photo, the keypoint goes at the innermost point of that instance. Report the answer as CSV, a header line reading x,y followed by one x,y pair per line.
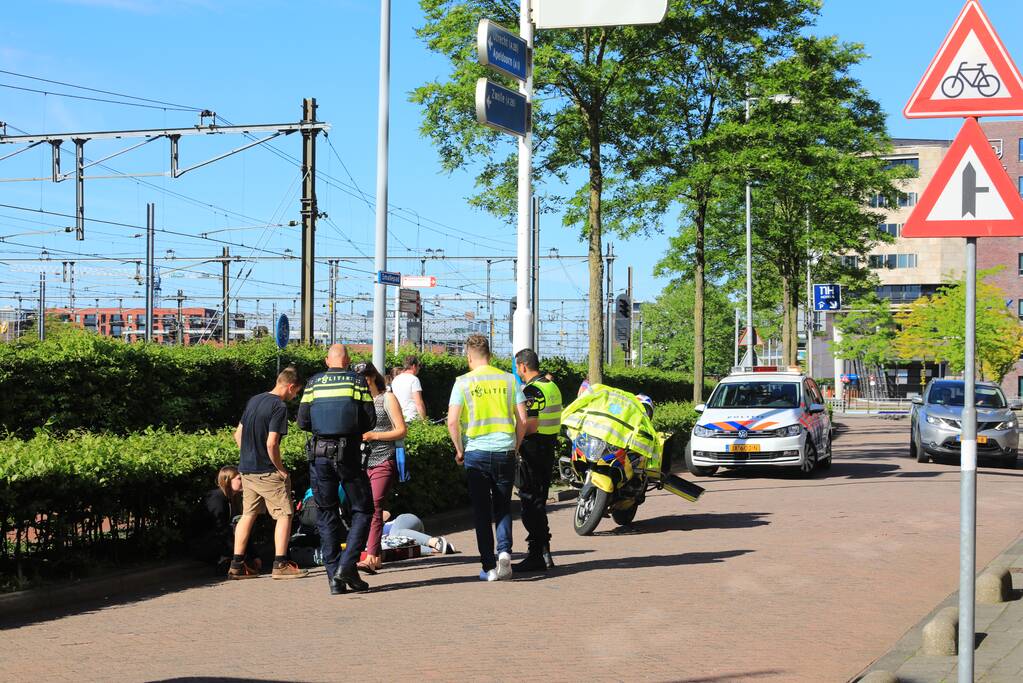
x,y
548,559
351,579
533,561
337,587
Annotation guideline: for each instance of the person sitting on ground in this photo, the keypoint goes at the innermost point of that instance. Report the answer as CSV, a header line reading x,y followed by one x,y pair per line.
x,y
410,526
212,537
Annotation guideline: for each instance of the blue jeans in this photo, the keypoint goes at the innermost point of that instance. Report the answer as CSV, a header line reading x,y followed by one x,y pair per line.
x,y
324,476
491,476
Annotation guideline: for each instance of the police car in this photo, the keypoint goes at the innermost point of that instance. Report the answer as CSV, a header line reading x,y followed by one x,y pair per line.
x,y
761,417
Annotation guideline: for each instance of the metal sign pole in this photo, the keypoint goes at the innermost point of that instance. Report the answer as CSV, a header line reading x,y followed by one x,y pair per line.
x,y
522,323
380,255
968,482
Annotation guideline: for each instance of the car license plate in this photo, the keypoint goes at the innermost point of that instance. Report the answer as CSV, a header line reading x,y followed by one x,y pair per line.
x,y
743,448
980,438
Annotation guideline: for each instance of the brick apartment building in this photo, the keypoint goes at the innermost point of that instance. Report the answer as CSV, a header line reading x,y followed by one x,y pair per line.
x,y
197,324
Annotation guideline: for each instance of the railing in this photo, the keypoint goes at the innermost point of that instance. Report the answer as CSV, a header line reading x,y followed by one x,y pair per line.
x,y
871,405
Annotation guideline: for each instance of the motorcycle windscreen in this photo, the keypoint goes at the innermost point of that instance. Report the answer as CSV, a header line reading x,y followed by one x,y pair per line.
x,y
682,488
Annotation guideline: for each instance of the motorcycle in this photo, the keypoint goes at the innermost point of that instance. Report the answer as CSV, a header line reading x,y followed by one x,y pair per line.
x,y
613,481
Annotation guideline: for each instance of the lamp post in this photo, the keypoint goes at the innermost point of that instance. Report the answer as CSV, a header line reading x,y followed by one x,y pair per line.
x,y
780,98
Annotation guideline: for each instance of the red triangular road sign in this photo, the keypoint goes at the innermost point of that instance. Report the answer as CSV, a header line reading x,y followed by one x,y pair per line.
x,y
970,194
756,337
972,74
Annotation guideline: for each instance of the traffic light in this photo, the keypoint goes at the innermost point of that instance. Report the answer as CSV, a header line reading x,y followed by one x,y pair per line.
x,y
512,306
624,307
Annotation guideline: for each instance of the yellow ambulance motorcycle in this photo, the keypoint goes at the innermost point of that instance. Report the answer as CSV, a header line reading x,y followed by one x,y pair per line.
x,y
616,457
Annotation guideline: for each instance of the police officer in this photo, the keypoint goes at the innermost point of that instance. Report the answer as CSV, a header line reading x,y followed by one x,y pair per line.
x,y
536,458
338,409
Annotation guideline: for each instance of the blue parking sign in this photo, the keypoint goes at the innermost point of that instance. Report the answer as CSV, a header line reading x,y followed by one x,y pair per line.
x,y
827,297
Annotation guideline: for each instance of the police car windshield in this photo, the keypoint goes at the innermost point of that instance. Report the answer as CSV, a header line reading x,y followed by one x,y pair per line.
x,y
754,394
954,394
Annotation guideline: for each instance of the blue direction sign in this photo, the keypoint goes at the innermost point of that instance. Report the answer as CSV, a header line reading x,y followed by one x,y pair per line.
x,y
502,50
283,331
501,108
386,277
827,297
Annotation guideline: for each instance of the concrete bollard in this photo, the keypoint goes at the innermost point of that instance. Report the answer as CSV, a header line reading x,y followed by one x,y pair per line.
x,y
994,587
941,634
879,677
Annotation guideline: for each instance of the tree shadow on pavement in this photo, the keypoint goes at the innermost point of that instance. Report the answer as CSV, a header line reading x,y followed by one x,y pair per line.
x,y
683,522
744,676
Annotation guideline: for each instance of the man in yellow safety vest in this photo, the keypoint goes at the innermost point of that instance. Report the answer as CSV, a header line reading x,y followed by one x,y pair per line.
x,y
486,421
536,459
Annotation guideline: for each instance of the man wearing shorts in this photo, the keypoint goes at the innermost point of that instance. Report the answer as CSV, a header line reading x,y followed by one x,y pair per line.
x,y
266,485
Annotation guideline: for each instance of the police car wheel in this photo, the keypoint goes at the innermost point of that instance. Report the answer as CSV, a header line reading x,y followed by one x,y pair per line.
x,y
809,464
697,469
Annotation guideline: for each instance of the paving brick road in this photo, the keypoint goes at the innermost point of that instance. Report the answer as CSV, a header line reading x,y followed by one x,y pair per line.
x,y
768,578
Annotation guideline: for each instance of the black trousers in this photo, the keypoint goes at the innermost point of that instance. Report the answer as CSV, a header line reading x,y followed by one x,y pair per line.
x,y
533,479
328,468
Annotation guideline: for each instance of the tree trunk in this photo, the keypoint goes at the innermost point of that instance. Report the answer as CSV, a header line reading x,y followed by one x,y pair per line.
x,y
698,302
789,318
596,370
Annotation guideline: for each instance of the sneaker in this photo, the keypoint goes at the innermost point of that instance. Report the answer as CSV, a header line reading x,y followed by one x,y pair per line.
x,y
288,570
504,570
446,548
488,575
242,572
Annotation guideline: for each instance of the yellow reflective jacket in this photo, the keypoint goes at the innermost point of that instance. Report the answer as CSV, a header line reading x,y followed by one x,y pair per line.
x,y
618,418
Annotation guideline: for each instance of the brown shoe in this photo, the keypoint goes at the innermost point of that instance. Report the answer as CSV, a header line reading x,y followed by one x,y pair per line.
x,y
288,570
242,572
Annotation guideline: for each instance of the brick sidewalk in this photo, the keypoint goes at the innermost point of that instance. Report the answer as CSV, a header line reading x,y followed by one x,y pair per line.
x,y
768,577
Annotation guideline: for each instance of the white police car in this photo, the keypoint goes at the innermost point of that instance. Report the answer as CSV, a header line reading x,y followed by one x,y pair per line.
x,y
761,417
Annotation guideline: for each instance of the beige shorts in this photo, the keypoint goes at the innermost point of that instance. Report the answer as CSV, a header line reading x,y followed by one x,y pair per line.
x,y
267,493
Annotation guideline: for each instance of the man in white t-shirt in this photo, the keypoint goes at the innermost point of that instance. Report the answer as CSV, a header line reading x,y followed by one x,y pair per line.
x,y
408,390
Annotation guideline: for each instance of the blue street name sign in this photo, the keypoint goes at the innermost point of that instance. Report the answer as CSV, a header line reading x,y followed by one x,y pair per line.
x,y
827,297
386,277
283,331
501,108
502,50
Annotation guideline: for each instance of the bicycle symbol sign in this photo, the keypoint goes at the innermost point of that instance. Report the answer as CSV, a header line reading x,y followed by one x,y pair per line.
x,y
976,77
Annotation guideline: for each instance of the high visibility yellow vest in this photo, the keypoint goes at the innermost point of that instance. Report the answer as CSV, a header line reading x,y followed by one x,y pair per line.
x,y
549,419
616,417
488,402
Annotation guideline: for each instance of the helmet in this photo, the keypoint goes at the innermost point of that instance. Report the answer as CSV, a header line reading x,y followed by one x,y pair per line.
x,y
648,404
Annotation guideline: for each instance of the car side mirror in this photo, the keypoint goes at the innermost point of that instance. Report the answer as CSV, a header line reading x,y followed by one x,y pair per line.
x,y
918,401
816,408
700,407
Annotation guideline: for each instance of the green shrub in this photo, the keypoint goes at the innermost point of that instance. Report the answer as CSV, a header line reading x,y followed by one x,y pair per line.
x,y
78,380
63,500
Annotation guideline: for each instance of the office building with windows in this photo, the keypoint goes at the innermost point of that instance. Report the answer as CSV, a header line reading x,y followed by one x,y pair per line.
x,y
195,325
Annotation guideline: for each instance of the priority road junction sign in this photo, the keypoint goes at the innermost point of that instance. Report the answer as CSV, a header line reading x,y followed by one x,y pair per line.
x,y
972,74
970,194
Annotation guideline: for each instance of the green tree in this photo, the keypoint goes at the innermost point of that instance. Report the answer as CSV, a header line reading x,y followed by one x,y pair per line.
x,y
669,333
714,51
868,332
934,328
814,147
590,109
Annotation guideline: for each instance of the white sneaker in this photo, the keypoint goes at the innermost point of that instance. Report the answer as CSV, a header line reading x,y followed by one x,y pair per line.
x,y
488,575
504,570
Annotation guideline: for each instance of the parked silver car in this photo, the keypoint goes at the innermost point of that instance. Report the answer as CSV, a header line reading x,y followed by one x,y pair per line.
x,y
936,422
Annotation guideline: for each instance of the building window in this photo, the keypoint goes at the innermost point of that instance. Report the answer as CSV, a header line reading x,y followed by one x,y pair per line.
x,y
914,162
890,261
907,199
854,261
1019,308
893,229
1021,149
899,293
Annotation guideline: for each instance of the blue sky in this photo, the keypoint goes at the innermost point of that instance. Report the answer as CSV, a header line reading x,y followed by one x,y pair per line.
x,y
254,61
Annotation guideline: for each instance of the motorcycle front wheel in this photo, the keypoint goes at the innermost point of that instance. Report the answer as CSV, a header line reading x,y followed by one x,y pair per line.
x,y
589,509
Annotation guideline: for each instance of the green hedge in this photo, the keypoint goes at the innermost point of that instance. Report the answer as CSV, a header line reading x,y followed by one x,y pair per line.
x,y
77,380
66,500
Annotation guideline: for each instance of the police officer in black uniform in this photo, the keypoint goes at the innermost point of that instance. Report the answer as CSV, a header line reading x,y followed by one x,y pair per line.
x,y
536,459
338,409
